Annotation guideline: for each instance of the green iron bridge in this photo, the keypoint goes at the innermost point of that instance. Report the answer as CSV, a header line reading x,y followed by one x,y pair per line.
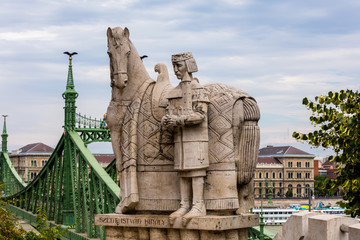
x,y
72,187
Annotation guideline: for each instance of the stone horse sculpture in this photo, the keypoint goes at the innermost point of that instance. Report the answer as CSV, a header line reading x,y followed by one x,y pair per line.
x,y
144,149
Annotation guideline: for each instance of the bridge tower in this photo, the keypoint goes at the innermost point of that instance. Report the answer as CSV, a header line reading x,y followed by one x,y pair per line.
x,y
70,96
4,136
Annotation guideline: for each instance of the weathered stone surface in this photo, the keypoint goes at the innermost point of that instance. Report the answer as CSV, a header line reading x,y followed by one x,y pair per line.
x,y
210,223
234,234
317,226
117,233
354,231
189,234
173,234
296,226
158,233
327,227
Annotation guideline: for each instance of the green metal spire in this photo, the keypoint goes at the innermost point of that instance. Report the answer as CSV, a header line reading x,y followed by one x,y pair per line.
x,y
4,136
70,79
70,96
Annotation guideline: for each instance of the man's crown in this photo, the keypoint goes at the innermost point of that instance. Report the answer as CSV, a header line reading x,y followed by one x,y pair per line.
x,y
181,57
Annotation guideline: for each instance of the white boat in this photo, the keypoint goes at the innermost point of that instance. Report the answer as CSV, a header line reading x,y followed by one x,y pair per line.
x,y
279,215
275,216
333,210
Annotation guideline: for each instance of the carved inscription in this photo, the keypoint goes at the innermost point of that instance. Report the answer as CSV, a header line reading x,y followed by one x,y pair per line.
x,y
126,221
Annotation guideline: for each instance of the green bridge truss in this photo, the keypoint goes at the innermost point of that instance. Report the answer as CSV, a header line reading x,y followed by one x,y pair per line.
x,y
72,186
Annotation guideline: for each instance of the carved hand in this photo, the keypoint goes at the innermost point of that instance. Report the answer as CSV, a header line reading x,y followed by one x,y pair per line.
x,y
171,121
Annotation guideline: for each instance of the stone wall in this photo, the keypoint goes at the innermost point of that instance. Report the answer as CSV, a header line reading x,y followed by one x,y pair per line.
x,y
317,226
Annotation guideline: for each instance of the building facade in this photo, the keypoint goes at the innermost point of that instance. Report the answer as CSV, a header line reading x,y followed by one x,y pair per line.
x,y
285,171
29,160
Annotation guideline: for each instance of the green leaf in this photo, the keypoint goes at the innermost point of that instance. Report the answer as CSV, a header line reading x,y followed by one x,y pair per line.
x,y
305,101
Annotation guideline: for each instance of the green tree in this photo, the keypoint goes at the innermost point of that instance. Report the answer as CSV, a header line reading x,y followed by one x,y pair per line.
x,y
323,186
9,226
47,232
337,121
289,193
10,229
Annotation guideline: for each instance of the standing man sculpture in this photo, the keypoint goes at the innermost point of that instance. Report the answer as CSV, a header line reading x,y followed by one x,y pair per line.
x,y
186,113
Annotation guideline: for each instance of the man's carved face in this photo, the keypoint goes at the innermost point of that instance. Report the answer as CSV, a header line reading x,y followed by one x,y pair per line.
x,y
180,69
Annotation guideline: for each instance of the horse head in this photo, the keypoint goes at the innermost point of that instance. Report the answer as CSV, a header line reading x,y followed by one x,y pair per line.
x,y
119,51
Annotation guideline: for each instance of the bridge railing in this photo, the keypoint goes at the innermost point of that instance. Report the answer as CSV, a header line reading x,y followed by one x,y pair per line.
x,y
88,122
254,233
91,129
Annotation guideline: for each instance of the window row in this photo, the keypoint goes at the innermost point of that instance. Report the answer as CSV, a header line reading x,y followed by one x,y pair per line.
x,y
267,175
268,184
33,163
32,175
298,164
298,175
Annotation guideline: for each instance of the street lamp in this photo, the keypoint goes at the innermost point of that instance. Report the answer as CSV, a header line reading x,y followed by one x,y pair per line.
x,y
262,224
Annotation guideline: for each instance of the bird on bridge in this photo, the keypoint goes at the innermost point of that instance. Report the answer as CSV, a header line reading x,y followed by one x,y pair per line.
x,y
70,54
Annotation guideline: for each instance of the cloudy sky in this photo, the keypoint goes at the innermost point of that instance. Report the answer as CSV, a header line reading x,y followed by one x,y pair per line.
x,y
278,51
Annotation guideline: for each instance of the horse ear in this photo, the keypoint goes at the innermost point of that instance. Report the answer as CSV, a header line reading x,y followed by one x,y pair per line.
x,y
126,33
109,33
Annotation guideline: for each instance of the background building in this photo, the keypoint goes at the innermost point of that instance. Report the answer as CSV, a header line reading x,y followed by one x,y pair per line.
x,y
329,169
285,171
104,159
29,160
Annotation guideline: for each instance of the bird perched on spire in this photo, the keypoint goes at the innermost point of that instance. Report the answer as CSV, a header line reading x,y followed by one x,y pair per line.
x,y
70,54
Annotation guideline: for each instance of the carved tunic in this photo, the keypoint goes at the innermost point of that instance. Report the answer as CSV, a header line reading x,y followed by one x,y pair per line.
x,y
188,102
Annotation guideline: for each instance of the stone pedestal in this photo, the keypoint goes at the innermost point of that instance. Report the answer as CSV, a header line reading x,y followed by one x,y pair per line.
x,y
157,227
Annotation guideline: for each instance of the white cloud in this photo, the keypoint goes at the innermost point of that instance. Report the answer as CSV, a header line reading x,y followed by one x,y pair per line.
x,y
28,36
236,2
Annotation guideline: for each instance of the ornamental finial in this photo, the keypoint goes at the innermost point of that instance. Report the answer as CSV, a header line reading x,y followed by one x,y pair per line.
x,y
70,54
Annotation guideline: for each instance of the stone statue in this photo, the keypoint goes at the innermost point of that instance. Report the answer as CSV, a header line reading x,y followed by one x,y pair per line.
x,y
186,151
187,114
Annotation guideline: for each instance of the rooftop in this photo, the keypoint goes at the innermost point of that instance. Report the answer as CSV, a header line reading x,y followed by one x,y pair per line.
x,y
36,147
281,151
268,160
104,158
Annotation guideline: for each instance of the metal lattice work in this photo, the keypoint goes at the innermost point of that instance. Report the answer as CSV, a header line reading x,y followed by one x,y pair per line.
x,y
9,177
91,130
88,122
72,187
111,170
94,135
